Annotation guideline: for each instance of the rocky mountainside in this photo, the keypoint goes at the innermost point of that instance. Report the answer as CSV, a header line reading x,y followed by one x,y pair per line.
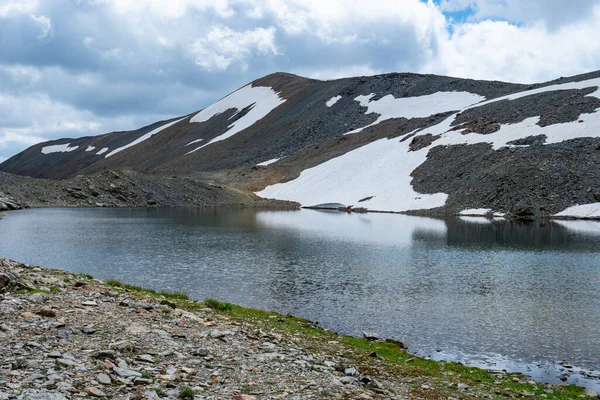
x,y
393,143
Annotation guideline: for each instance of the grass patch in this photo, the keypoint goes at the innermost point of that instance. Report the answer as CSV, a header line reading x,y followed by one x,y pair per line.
x,y
32,291
186,393
218,305
115,283
86,276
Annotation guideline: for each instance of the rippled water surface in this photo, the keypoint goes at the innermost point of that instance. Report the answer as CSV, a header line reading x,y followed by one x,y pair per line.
x,y
490,293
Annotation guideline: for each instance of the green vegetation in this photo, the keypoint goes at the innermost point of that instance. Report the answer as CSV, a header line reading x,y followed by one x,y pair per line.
x,y
32,291
114,283
186,393
218,305
86,276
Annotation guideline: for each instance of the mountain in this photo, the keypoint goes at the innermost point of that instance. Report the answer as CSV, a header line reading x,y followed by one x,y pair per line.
x,y
393,143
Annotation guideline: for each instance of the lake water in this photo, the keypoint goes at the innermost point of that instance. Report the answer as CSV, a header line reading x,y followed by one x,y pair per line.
x,y
488,293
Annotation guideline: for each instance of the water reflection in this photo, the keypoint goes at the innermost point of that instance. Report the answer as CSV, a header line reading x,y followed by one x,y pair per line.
x,y
526,294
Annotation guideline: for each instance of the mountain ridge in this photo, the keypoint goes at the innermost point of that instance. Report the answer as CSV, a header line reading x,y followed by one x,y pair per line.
x,y
389,137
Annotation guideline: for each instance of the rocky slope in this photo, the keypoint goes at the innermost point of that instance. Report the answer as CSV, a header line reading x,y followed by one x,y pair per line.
x,y
66,336
395,143
125,189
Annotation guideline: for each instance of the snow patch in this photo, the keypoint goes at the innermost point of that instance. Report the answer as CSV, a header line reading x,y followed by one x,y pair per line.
x,y
476,211
261,99
194,141
90,148
144,137
59,148
102,151
268,162
591,210
333,100
381,169
389,107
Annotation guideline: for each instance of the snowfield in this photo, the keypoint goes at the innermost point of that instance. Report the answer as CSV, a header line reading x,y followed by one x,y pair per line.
x,y
59,148
262,101
382,168
144,137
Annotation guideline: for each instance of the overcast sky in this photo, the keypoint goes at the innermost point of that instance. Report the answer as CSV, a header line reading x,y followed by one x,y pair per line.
x,y
72,68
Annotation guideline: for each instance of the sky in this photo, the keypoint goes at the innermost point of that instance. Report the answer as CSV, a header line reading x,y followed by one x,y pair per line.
x,y
71,68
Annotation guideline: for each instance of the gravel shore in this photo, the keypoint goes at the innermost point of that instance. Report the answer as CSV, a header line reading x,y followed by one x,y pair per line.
x,y
68,336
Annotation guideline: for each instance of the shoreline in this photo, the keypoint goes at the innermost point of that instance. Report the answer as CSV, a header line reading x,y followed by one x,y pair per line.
x,y
78,328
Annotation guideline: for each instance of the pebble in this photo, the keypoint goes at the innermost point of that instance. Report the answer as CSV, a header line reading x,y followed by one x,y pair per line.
x,y
94,391
104,379
89,303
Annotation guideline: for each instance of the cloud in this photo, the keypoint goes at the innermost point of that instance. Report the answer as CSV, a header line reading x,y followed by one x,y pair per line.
x,y
72,68
554,13
222,46
504,51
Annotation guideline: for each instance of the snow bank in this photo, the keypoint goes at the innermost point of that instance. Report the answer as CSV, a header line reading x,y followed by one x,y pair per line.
x,y
262,101
382,168
333,100
59,148
144,137
102,151
90,148
581,211
268,162
475,211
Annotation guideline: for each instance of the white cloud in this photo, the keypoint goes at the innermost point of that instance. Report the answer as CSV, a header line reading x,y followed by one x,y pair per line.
x,y
553,13
45,25
532,53
8,7
223,46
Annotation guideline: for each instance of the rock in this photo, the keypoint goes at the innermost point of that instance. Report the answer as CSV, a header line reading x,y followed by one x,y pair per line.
x,y
89,330
43,394
46,312
145,358
10,282
126,373
94,391
370,336
104,354
591,393
244,397
350,372
104,379
55,354
89,303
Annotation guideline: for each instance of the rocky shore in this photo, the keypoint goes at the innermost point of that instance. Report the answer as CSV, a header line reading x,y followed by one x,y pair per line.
x,y
66,336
